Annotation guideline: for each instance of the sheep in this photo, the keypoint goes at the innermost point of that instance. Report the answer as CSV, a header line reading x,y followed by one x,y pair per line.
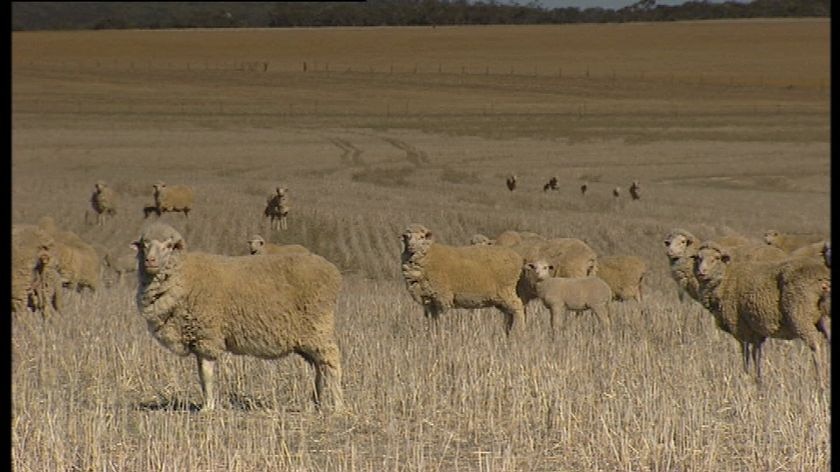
x,y
624,275
550,185
104,201
28,269
120,265
481,240
511,182
45,294
77,261
583,187
756,300
635,190
682,245
277,208
789,242
511,238
257,246
616,192
440,277
811,250
174,198
267,307
567,293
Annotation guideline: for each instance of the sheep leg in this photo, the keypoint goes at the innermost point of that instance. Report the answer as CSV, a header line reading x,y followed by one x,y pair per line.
x,y
745,355
205,375
283,223
514,313
326,360
756,357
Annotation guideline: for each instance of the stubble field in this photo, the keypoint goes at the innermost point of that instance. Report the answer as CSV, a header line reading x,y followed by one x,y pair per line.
x,y
726,125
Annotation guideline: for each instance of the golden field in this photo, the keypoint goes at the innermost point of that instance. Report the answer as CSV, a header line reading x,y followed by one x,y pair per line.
x,y
726,125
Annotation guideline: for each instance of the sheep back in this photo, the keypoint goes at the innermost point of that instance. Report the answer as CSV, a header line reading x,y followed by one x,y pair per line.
x,y
624,275
174,198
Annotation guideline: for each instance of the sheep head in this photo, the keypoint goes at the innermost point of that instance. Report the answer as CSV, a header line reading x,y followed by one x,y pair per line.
x,y
710,262
537,270
256,244
416,239
99,186
155,247
771,237
480,240
680,243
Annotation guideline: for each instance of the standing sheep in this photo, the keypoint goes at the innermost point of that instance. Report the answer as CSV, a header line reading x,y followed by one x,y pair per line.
x,y
174,198
30,274
120,265
624,275
104,201
583,187
511,182
277,208
267,307
441,277
46,286
635,190
616,192
567,293
789,242
551,185
257,246
756,300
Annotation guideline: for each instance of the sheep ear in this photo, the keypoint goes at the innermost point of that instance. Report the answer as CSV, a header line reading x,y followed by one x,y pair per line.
x,y
135,245
428,235
725,258
551,268
180,245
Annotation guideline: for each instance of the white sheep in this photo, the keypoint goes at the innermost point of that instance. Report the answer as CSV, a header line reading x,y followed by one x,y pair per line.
x,y
173,198
104,201
440,277
267,307
277,208
257,246
756,300
789,242
576,294
624,275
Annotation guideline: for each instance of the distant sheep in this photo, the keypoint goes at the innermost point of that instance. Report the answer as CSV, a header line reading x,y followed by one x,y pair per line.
x,y
635,190
267,307
624,275
258,246
583,188
616,192
756,300
789,242
567,293
28,270
104,201
551,185
511,182
173,198
440,277
277,208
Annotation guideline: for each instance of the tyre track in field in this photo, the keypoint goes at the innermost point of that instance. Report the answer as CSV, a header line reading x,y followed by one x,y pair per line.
x,y
351,156
418,158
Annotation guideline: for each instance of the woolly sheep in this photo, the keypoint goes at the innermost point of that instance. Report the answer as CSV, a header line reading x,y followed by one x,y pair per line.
x,y
789,242
258,246
635,190
46,290
567,293
440,277
266,307
277,208
816,250
104,201
28,242
624,275
77,261
756,300
511,182
173,198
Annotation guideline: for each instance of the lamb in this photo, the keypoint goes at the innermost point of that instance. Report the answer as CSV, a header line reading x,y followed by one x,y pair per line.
x,y
624,275
789,242
511,182
277,208
257,246
267,307
440,277
175,198
635,190
551,185
567,293
104,201
755,300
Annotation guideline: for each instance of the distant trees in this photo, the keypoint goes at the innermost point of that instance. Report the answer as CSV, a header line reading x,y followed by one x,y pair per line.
x,y
116,15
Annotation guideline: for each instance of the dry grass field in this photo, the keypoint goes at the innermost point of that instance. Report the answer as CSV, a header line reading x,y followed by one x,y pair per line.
x,y
726,125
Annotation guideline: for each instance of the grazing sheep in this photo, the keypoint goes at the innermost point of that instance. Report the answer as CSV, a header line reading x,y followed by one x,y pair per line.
x,y
551,185
789,242
441,277
277,208
104,201
635,190
174,198
120,265
511,182
567,293
481,240
257,246
624,275
583,188
756,300
267,307
616,192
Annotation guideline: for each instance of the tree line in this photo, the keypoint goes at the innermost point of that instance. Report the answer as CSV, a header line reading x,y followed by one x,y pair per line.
x,y
28,16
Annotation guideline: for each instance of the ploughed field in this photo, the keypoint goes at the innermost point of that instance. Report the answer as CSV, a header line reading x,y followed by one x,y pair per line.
x,y
725,124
